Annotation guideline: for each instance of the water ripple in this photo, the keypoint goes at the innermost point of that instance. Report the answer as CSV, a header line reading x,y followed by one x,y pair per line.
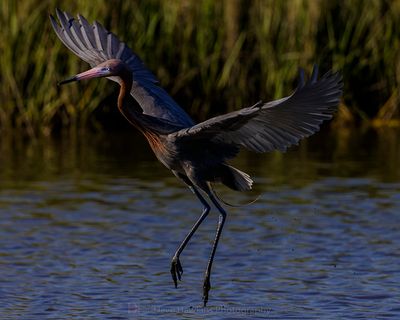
x,y
99,246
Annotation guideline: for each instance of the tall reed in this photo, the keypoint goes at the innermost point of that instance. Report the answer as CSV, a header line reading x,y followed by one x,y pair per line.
x,y
212,56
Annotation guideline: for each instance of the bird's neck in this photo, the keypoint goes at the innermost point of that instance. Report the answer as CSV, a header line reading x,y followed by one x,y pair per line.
x,y
126,84
129,109
134,115
125,104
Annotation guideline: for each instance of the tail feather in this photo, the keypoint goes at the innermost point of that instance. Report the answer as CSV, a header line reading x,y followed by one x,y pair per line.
x,y
235,179
230,204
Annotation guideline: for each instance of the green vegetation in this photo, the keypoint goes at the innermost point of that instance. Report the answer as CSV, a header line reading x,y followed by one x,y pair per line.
x,y
212,56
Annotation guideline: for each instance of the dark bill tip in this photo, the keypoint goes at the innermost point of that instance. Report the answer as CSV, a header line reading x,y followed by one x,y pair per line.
x,y
72,79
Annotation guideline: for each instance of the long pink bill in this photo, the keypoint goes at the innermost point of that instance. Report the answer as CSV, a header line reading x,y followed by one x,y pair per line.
x,y
95,72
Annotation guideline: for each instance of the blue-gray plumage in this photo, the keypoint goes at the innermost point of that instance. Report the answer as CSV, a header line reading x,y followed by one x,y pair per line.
x,y
197,153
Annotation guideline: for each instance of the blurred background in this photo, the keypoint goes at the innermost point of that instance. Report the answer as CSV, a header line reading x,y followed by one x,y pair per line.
x,y
211,56
89,218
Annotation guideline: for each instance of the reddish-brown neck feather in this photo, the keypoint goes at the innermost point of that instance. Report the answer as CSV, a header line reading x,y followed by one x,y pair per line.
x,y
124,106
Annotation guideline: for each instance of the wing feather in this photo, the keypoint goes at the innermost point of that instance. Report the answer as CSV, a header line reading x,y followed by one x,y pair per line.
x,y
95,44
275,125
86,30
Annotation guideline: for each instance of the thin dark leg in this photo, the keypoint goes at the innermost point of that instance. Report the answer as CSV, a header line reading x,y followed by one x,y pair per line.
x,y
176,267
221,221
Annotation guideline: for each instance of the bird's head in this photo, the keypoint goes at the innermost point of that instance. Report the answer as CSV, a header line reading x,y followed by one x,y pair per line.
x,y
109,68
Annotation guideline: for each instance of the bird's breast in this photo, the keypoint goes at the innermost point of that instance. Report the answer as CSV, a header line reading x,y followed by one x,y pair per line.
x,y
163,150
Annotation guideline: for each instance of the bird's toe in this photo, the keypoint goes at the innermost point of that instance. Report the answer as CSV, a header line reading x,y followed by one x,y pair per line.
x,y
176,270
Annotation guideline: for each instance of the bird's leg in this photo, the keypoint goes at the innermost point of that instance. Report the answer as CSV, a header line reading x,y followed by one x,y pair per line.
x,y
221,221
176,267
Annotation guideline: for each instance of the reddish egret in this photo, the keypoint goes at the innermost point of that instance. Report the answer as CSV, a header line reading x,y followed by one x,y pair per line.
x,y
197,153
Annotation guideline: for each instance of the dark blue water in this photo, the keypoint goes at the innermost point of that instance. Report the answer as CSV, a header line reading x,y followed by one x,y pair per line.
x,y
88,228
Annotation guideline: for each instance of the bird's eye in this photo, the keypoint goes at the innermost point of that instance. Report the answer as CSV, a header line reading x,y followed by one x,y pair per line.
x,y
106,69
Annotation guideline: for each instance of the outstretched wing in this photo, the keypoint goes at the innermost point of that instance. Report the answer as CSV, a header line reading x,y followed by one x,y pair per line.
x,y
275,125
94,44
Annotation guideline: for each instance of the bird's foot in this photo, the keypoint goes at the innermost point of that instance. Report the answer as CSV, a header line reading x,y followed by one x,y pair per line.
x,y
206,289
176,270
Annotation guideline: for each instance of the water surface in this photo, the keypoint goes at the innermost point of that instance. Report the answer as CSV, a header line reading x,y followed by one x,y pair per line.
x,y
88,226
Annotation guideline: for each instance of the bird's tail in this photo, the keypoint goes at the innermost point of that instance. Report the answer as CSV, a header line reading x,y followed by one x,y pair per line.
x,y
230,204
234,178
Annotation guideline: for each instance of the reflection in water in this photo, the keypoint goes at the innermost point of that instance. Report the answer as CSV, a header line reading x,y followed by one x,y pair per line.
x,y
88,227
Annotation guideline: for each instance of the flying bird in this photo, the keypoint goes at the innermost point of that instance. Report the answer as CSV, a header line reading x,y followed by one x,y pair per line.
x,y
197,154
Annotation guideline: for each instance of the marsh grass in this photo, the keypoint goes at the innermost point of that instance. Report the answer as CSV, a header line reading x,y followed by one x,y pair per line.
x,y
212,56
